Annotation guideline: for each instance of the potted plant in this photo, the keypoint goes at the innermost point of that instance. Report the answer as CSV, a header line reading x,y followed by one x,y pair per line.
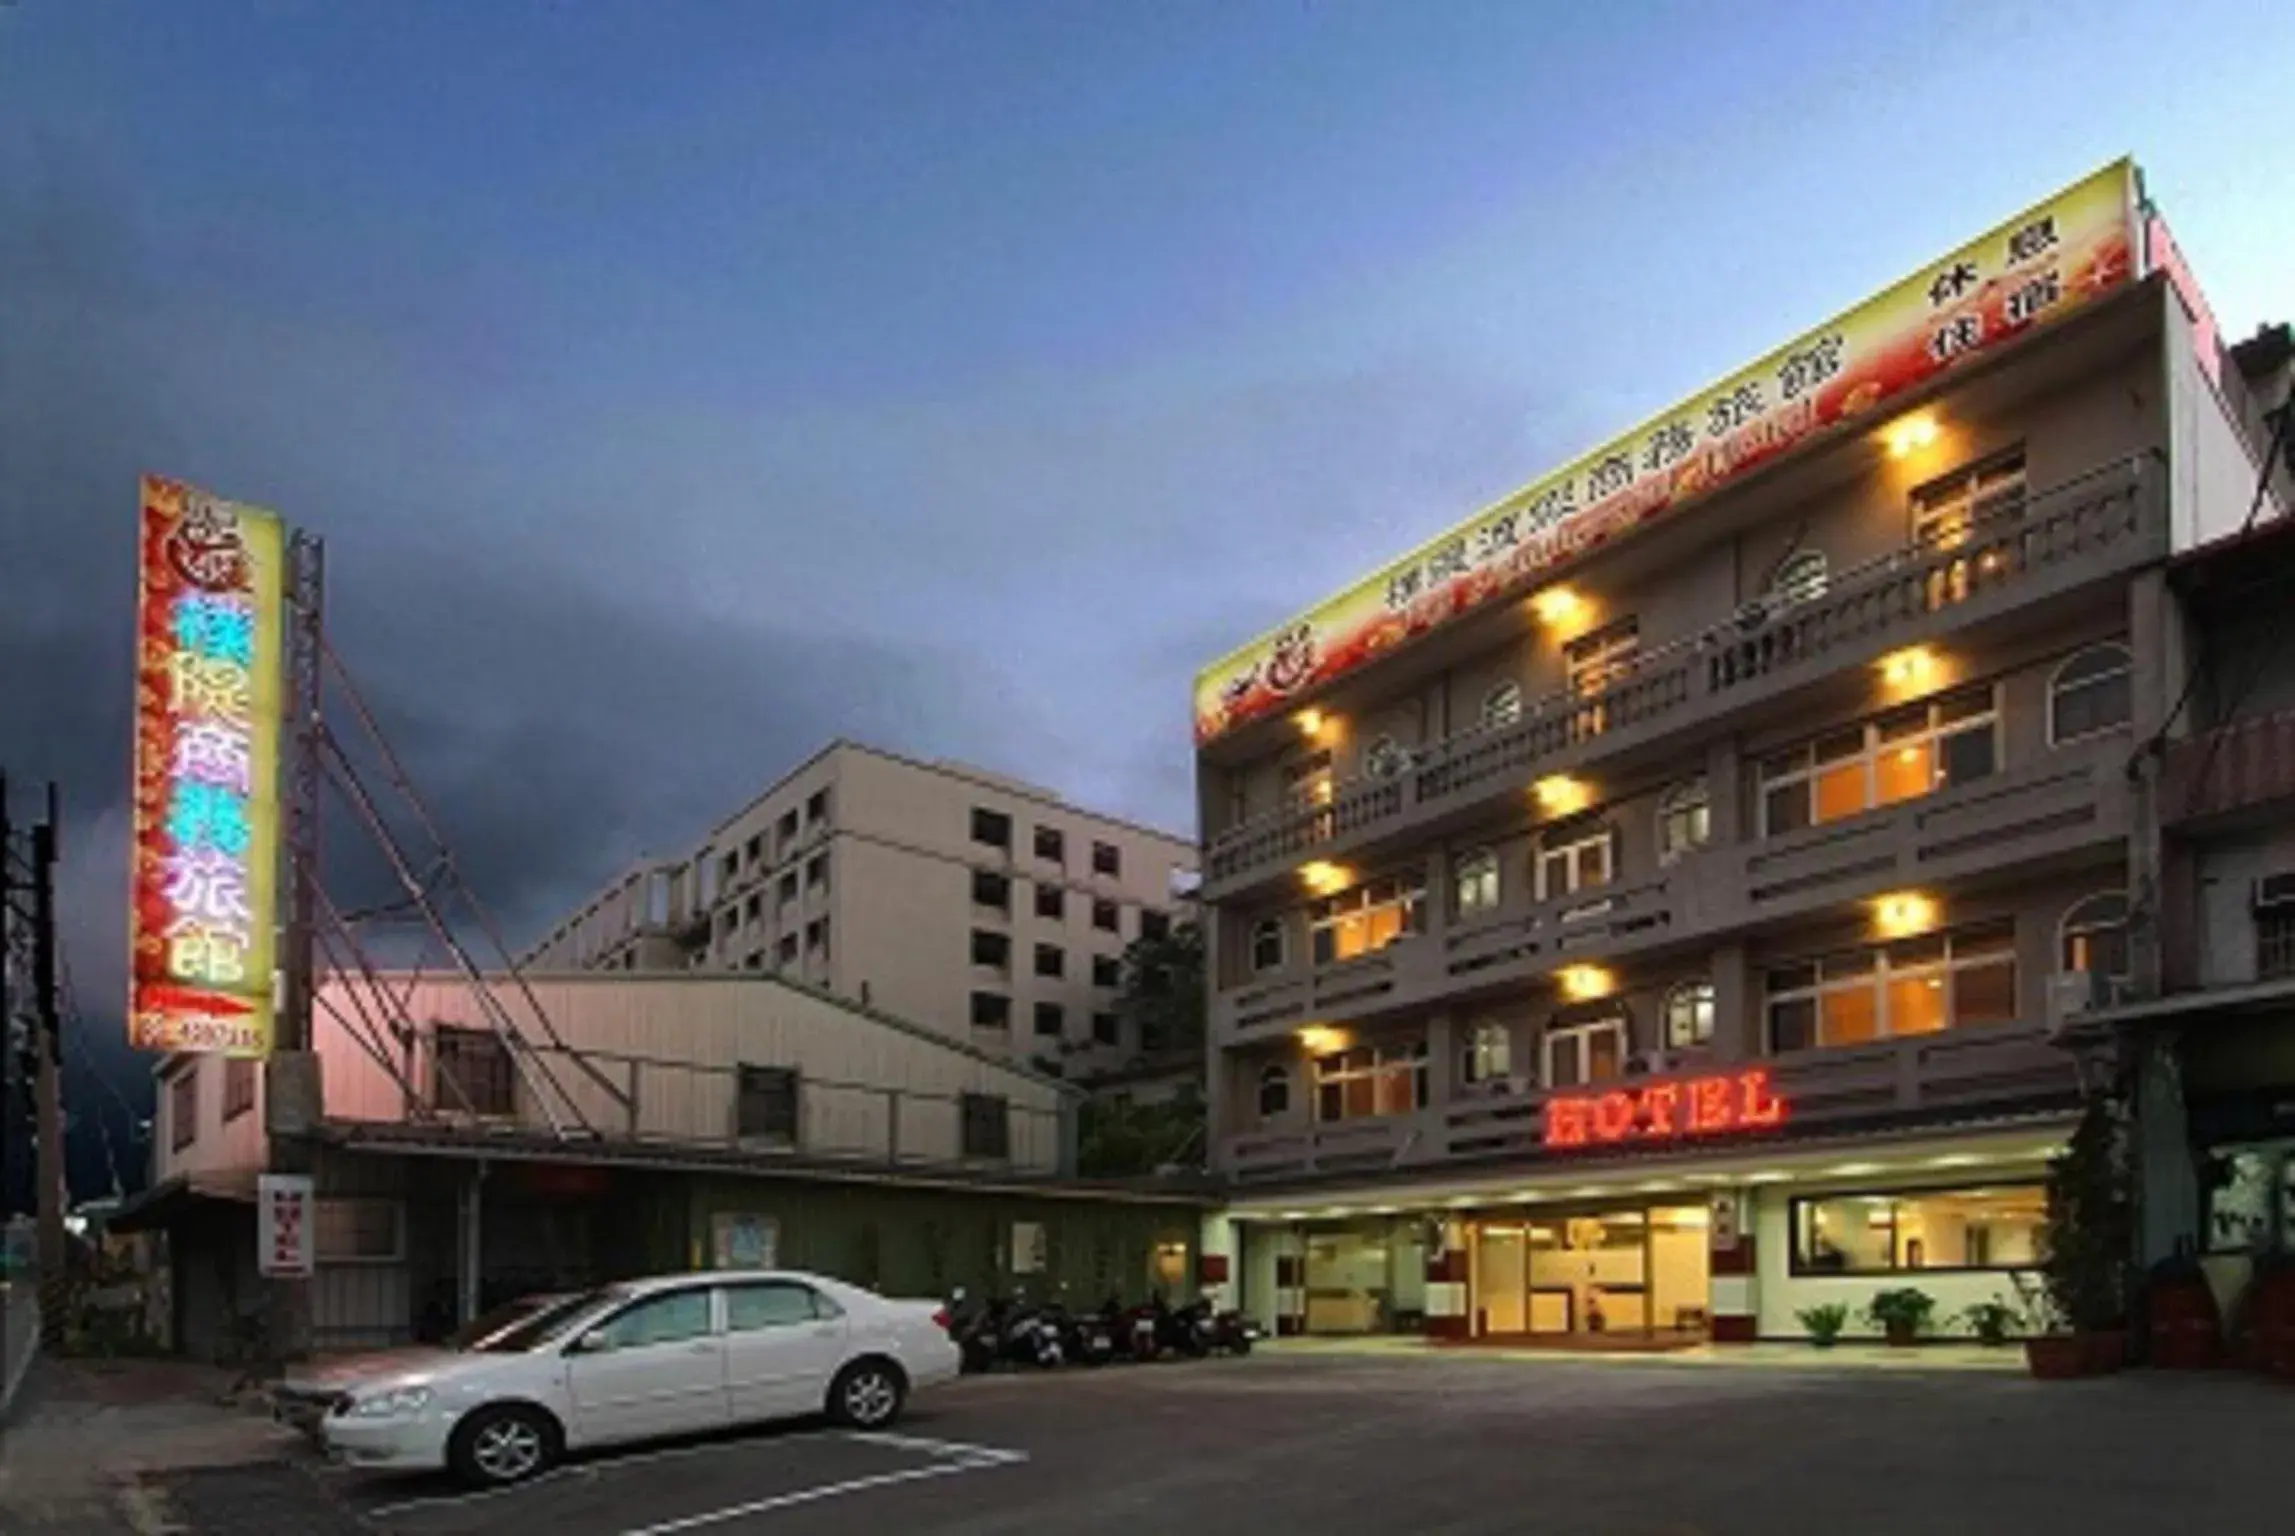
x,y
1824,1323
2089,1235
2184,1324
2051,1351
1901,1313
1992,1321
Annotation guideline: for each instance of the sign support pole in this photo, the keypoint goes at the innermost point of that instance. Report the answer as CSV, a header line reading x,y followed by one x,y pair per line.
x,y
48,1086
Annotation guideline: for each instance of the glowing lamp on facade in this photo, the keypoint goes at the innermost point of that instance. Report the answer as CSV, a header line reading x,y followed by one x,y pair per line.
x,y
1558,794
1321,877
1908,668
1910,434
1584,983
1903,913
1310,723
1321,1039
1558,608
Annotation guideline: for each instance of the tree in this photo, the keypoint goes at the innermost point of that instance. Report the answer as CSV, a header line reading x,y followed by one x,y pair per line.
x,y
1163,993
1119,1139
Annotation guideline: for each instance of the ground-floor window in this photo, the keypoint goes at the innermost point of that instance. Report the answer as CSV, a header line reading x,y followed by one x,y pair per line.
x,y
1366,1279
2251,1198
1993,1226
1640,1271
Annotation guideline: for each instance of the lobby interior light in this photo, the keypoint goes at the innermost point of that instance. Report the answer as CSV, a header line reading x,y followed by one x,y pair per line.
x,y
1585,983
1558,794
1901,914
1910,434
1321,877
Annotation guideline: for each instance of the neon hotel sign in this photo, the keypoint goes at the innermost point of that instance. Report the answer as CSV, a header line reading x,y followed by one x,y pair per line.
x,y
1669,1111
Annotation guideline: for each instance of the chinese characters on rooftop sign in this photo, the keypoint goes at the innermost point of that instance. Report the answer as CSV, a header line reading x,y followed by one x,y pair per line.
x,y
1666,1111
2043,264
210,635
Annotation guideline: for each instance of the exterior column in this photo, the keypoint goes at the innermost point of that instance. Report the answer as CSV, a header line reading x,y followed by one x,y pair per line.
x,y
1736,1015
1735,1287
1291,1288
1447,1316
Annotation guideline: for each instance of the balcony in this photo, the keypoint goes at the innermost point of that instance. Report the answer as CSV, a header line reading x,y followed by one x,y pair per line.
x,y
2085,531
1837,1091
2237,767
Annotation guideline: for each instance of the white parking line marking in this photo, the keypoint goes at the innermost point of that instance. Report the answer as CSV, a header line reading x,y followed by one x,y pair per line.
x,y
935,1447
815,1495
440,1500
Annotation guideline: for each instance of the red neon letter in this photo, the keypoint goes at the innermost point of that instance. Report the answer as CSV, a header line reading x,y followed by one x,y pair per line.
x,y
1661,1101
1614,1116
1709,1104
1761,1107
1566,1122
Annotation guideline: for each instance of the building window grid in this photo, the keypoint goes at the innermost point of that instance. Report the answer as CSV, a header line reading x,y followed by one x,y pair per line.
x,y
1371,1082
1106,916
2093,935
1909,987
766,1106
1107,971
2090,693
183,1109
1274,1091
1689,1015
1475,884
1051,903
238,1087
1575,859
991,1010
1487,1058
1267,945
1900,755
1368,918
1107,859
1051,1020
1051,960
2275,942
1573,1055
1684,819
987,1125
1106,1029
1502,706
1883,1232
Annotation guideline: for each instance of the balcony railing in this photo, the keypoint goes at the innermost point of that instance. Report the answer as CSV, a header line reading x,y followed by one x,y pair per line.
x,y
1859,612
2234,767
1955,1072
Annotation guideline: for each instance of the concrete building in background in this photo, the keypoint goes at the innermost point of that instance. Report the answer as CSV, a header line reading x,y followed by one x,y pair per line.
x,y
988,909
1648,908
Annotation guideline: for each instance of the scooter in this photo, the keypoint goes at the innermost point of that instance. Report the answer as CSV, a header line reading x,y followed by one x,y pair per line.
x,y
1087,1337
978,1332
1232,1333
1031,1337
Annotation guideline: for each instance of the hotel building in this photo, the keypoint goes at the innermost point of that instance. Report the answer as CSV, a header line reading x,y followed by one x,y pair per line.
x,y
1642,909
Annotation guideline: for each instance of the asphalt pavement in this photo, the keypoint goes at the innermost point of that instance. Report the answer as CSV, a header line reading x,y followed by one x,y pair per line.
x,y
1457,1445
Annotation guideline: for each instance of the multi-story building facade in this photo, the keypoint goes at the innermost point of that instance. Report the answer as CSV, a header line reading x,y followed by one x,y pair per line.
x,y
980,906
1637,910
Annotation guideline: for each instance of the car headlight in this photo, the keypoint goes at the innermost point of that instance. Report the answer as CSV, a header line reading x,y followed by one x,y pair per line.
x,y
397,1400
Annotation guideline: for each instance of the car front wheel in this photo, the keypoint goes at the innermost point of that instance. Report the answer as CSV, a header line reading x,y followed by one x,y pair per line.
x,y
495,1447
867,1395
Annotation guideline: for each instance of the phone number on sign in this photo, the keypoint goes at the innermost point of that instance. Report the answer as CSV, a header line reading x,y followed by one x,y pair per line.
x,y
195,1032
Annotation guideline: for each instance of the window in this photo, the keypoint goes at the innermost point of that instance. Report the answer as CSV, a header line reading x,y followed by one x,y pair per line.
x,y
1993,1227
1502,706
1307,779
357,1230
785,891
817,937
1906,753
987,1122
1488,1056
753,910
1267,945
817,872
1800,578
991,948
1107,859
238,1087
785,951
183,1108
786,830
775,1304
2090,693
1371,1081
1051,844
993,828
1945,511
1106,1029
1689,1015
1051,1019
766,1104
2093,936
1594,662
754,850
817,808
1684,819
674,1317
1274,1091
1368,918
1474,883
728,867
1577,1054
472,1072
1154,925
1107,971
1575,856
1051,902
990,889
2274,937
1385,758
991,1010
1050,961
753,961
1911,987
1104,915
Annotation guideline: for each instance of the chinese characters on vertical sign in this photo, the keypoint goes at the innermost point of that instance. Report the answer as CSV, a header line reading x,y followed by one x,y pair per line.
x,y
2048,261
210,637
285,1243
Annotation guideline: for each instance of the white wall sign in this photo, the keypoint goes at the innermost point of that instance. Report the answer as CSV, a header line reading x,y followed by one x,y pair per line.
x,y
744,1240
283,1220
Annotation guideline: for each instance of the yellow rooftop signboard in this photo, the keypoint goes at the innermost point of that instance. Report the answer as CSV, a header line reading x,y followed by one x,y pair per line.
x,y
2047,262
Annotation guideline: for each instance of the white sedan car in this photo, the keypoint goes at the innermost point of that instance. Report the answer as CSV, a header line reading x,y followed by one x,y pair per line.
x,y
672,1355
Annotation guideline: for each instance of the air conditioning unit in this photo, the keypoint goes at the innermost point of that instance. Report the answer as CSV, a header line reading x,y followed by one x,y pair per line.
x,y
2275,893
1651,1064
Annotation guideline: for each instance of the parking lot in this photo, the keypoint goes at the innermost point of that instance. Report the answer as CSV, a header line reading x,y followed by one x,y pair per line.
x,y
1340,1444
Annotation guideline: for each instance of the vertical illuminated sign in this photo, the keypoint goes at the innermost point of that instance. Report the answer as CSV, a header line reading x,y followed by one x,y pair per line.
x,y
210,681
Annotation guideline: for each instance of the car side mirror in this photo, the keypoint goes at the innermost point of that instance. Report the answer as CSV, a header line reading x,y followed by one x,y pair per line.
x,y
595,1342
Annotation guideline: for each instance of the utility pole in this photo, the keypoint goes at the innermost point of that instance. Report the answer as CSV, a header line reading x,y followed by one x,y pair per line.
x,y
55,1280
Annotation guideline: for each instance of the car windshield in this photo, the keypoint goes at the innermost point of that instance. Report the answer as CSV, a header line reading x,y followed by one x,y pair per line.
x,y
475,1333
550,1320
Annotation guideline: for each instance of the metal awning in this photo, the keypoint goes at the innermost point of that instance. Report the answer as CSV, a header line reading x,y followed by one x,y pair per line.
x,y
172,1198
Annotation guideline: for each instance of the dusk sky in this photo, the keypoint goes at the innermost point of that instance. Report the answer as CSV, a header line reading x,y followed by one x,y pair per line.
x,y
678,385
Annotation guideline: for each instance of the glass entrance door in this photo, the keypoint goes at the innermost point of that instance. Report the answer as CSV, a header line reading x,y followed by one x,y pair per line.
x,y
1640,1273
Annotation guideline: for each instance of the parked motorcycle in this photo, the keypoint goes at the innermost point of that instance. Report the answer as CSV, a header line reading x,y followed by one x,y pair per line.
x,y
978,1332
1032,1337
1232,1333
1088,1337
